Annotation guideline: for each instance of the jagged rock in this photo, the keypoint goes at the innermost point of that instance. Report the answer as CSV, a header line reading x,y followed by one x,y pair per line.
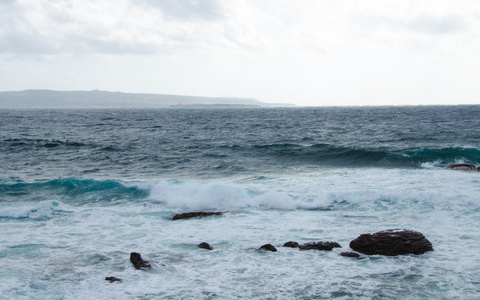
x,y
113,279
195,214
205,246
268,247
463,167
324,246
291,244
392,242
350,254
138,262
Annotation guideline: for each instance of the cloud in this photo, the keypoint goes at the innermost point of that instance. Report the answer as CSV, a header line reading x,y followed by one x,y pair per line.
x,y
25,43
422,24
73,27
148,27
189,10
448,24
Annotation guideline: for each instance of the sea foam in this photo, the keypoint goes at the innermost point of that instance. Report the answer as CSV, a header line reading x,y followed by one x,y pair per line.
x,y
44,209
217,195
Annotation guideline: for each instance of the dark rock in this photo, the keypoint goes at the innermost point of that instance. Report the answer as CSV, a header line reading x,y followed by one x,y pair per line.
x,y
291,244
392,242
323,246
196,214
113,279
463,167
205,246
350,254
104,258
138,262
268,247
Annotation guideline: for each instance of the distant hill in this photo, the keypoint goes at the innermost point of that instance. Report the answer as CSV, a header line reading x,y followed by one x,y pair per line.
x,y
103,99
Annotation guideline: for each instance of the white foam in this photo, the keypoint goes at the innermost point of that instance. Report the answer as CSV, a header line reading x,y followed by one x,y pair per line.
x,y
217,195
59,256
367,188
40,210
276,200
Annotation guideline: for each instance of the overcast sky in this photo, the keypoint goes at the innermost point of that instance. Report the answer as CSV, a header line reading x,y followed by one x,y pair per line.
x,y
318,52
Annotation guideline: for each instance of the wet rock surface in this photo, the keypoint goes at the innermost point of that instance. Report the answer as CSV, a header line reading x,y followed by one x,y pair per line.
x,y
291,244
267,247
196,214
463,167
205,246
113,279
138,262
350,254
322,246
392,242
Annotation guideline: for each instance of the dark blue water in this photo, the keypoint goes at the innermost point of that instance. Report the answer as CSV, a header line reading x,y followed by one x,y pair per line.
x,y
46,144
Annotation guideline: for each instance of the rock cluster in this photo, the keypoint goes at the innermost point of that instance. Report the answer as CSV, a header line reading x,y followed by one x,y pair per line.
x,y
389,242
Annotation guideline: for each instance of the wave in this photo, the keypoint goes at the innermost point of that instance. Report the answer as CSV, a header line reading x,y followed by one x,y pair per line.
x,y
374,190
46,196
335,194
344,156
218,195
71,190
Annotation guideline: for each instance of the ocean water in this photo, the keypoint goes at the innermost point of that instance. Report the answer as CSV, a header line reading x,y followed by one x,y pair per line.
x,y
82,189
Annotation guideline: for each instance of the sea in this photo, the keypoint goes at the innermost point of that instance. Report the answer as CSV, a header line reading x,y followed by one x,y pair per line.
x,y
81,189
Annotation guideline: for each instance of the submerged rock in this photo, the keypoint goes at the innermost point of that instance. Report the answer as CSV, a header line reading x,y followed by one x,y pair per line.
x,y
291,244
268,247
323,246
195,214
392,242
138,262
113,279
350,254
463,167
205,246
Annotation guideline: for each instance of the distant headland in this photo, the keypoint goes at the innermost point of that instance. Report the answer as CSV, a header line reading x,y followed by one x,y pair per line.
x,y
49,99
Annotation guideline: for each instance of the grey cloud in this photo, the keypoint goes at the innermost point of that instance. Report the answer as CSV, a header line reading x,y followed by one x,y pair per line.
x,y
445,25
22,43
423,24
94,45
7,2
13,40
189,9
20,36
